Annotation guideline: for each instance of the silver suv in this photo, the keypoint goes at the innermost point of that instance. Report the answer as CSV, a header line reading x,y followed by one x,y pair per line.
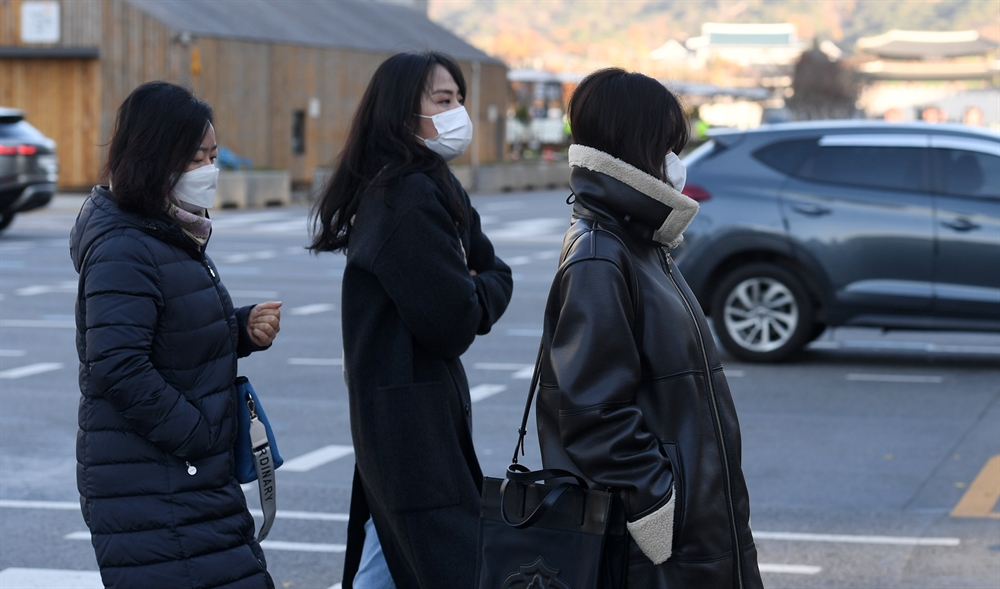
x,y
28,166
809,225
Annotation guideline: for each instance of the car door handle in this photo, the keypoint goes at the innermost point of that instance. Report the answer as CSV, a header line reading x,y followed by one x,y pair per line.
x,y
960,224
811,210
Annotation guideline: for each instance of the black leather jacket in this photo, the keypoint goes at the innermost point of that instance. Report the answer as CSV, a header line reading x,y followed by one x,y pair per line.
x,y
632,391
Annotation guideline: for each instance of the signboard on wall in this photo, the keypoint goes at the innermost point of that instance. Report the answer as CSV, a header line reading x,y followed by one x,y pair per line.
x,y
40,21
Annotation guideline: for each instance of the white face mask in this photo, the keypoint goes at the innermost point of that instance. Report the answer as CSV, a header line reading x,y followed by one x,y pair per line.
x,y
197,187
676,171
454,136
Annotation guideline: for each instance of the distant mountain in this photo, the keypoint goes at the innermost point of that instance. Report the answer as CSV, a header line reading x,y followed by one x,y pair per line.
x,y
583,34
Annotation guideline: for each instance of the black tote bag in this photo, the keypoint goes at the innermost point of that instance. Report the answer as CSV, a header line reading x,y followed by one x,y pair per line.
x,y
560,535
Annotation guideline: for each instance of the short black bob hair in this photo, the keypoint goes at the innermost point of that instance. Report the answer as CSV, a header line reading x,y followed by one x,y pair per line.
x,y
158,130
629,116
381,146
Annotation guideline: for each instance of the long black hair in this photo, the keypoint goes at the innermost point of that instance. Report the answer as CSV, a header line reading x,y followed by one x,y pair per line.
x,y
381,147
629,116
158,130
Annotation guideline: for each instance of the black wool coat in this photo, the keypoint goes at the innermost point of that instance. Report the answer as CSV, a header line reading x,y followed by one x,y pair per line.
x,y
158,340
410,308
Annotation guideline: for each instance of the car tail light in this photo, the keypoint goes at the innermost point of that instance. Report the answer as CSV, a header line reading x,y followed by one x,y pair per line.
x,y
18,150
695,192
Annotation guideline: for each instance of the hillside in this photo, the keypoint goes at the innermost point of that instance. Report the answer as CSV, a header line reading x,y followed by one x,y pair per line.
x,y
579,35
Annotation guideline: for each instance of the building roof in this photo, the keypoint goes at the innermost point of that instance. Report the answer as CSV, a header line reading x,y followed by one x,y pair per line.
x,y
897,44
745,35
363,25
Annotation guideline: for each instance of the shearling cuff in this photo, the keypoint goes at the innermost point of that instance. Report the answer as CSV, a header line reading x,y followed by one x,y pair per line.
x,y
654,534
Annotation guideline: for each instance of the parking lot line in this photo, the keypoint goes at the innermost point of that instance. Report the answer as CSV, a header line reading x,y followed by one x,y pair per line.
x,y
983,494
480,392
904,378
316,458
853,539
30,370
24,578
792,569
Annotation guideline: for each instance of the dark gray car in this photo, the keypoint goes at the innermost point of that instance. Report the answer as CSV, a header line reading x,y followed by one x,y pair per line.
x,y
809,225
28,166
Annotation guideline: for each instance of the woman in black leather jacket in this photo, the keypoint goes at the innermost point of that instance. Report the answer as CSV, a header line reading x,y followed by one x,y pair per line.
x,y
633,396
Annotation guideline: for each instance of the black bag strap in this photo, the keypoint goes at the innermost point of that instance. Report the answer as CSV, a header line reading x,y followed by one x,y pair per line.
x,y
520,474
539,511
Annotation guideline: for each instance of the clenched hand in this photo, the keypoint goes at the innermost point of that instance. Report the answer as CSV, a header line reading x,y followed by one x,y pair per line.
x,y
264,323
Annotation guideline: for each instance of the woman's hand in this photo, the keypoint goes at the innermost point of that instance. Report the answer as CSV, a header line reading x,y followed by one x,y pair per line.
x,y
264,323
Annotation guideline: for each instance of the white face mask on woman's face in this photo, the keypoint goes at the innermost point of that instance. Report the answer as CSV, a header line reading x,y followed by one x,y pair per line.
x,y
676,171
454,136
197,187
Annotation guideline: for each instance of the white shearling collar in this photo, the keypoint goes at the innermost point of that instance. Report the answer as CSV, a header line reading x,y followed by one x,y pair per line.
x,y
683,209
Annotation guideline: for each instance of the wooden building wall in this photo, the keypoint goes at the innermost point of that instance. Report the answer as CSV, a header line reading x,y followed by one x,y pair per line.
x,y
254,87
60,96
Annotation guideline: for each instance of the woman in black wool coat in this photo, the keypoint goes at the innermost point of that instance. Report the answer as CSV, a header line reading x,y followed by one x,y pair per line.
x,y
421,282
158,340
632,393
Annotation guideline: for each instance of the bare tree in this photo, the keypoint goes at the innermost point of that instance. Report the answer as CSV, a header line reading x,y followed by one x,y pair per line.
x,y
822,88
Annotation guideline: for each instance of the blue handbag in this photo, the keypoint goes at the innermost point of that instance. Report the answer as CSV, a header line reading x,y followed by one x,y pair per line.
x,y
256,453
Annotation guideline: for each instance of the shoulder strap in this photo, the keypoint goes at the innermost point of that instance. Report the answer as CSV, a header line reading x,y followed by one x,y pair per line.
x,y
636,307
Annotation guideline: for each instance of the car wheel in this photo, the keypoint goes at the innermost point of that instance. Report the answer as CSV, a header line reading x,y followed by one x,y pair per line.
x,y
5,218
762,313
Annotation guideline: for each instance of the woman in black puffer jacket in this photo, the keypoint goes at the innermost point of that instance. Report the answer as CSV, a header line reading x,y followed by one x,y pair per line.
x,y
158,340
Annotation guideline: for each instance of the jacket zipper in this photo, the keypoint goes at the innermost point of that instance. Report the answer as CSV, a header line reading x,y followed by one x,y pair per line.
x,y
215,284
737,549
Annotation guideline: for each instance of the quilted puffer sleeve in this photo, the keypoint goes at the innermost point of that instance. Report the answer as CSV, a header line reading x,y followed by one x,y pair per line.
x,y
123,299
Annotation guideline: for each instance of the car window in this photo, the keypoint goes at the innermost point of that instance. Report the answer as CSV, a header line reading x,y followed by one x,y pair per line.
x,y
969,173
21,131
786,156
887,167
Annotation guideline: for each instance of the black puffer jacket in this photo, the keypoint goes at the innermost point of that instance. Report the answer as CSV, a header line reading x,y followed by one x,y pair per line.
x,y
633,394
158,340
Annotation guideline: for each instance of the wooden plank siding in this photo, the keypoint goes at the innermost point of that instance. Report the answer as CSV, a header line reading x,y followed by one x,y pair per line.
x,y
61,97
253,86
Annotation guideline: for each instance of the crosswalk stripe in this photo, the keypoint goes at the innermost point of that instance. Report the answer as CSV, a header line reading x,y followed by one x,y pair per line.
x,y
312,309
903,378
316,458
302,546
68,505
30,370
38,323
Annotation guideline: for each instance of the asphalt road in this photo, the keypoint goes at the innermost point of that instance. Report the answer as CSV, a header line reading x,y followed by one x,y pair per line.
x,y
872,461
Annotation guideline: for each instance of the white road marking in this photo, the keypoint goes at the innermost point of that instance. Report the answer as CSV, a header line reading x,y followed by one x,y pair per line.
x,y
12,353
18,504
549,254
482,391
302,546
500,366
30,370
240,258
852,539
254,294
316,458
245,219
544,229
67,287
794,569
21,578
312,309
903,346
735,373
518,260
524,373
316,361
524,332
336,586
77,536
38,323
907,378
